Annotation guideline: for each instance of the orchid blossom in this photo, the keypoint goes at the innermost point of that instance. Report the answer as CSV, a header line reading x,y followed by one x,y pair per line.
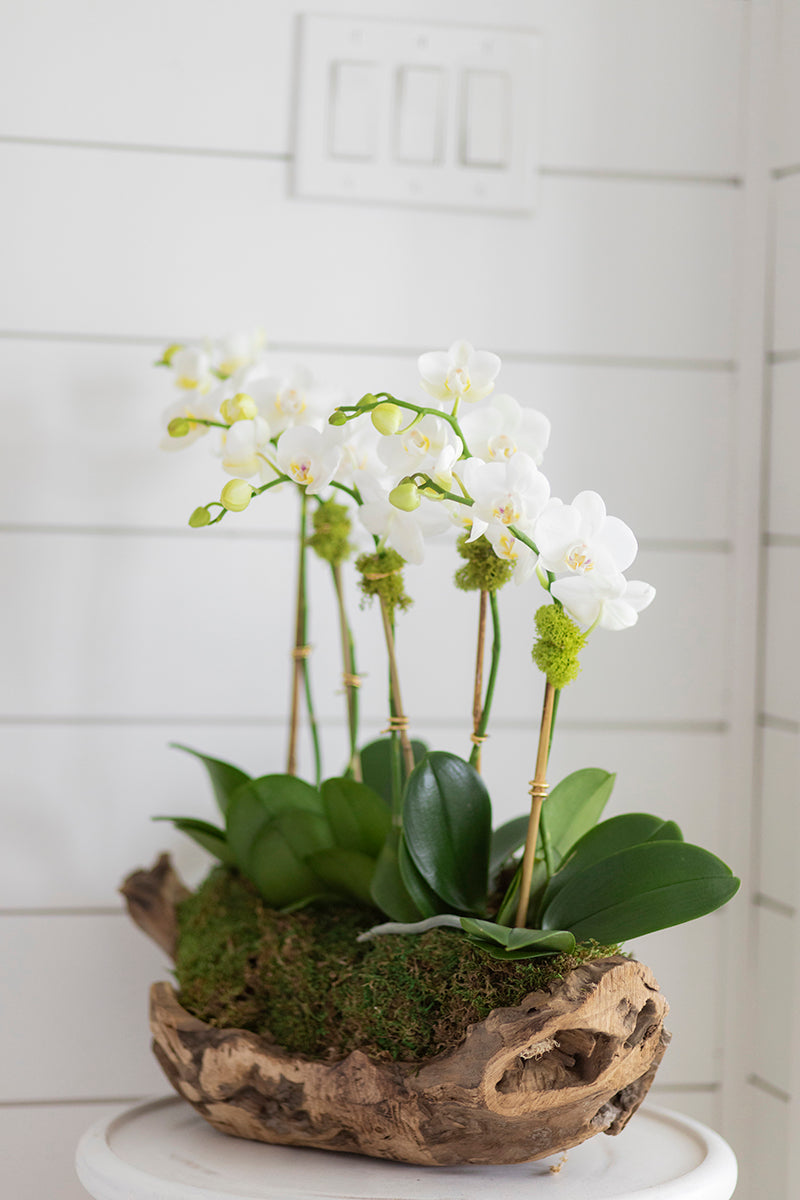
x,y
308,457
501,428
460,373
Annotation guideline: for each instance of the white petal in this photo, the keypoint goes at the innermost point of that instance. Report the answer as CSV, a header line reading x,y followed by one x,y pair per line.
x,y
483,368
405,536
579,598
617,615
620,542
460,354
639,594
433,368
592,512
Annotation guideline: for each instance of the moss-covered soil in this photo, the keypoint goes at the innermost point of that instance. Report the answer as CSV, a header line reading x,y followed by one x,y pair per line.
x,y
301,979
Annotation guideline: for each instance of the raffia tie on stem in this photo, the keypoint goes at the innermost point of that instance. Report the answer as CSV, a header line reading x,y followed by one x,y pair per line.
x,y
539,789
301,652
351,681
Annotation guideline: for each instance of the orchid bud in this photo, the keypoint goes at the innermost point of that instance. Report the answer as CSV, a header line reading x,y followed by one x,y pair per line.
x,y
387,418
236,495
338,417
405,496
179,427
200,517
366,400
240,407
169,354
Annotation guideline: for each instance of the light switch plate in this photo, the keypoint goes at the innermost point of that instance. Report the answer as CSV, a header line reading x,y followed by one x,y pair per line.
x,y
453,114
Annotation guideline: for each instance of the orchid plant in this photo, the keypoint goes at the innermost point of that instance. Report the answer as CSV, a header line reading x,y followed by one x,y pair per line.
x,y
403,829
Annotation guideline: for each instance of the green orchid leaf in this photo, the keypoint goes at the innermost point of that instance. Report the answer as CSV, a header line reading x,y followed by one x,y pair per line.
x,y
225,778
505,841
358,817
573,807
508,908
639,890
423,896
376,765
525,943
447,825
540,940
306,832
607,838
208,836
281,876
388,892
346,871
255,804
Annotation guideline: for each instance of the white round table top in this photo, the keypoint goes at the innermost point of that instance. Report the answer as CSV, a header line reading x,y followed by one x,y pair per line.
x,y
162,1150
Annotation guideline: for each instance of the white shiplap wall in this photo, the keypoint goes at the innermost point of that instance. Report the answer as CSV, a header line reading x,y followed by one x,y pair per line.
x,y
147,157
772,1092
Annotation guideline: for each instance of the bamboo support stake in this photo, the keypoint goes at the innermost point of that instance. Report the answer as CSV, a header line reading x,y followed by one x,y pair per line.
x,y
538,793
350,677
300,651
477,701
398,723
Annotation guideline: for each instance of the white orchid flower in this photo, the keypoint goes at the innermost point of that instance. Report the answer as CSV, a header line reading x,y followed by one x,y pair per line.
x,y
192,369
503,427
308,456
514,492
419,448
245,448
580,539
238,351
404,531
289,400
610,602
359,442
507,547
458,373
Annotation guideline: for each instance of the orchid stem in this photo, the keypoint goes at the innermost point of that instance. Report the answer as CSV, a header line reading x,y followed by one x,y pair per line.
x,y
351,680
538,792
300,655
477,697
398,722
480,732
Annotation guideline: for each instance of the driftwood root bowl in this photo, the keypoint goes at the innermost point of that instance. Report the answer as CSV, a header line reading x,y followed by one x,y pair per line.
x,y
527,1082
570,1061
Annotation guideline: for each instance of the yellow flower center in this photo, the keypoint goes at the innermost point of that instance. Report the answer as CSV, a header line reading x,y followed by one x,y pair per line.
x,y
507,548
300,471
501,447
290,402
506,511
186,382
578,558
417,443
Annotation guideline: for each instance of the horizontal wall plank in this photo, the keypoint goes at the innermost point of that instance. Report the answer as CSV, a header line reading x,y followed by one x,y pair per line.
x,y
669,248
779,824
196,96
786,323
95,413
786,144
84,796
781,678
88,978
784,477
39,1147
148,626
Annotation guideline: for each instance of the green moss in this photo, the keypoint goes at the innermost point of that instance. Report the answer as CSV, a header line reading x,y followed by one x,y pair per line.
x,y
556,648
382,575
302,980
483,571
331,536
